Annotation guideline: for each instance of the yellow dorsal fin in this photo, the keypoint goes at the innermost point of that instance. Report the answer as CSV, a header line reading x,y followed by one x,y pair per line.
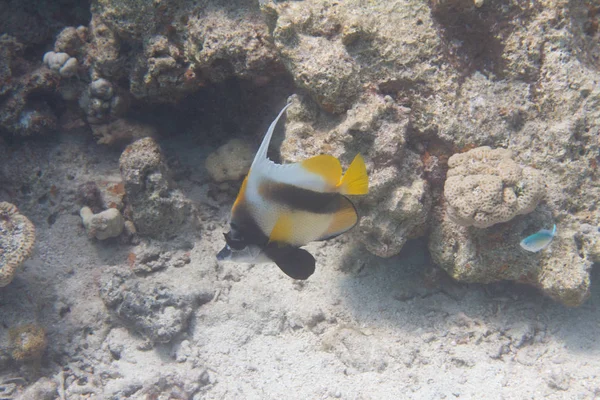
x,y
355,180
326,166
282,231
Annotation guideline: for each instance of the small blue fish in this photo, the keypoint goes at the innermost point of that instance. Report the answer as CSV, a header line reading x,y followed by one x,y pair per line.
x,y
539,240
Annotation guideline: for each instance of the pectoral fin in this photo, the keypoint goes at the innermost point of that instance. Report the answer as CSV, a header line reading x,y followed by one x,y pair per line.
x,y
294,262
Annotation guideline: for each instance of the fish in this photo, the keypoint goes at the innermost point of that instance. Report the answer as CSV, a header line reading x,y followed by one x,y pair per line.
x,y
539,240
282,207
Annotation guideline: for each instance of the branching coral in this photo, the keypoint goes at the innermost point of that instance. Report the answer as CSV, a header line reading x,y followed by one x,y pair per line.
x,y
485,187
17,237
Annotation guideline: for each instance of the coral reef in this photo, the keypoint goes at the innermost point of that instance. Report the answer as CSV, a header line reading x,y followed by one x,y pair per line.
x,y
178,48
230,162
106,224
28,342
72,41
157,207
221,45
461,70
485,187
17,238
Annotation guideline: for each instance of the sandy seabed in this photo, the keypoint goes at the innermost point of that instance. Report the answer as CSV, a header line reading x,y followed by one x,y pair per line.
x,y
359,328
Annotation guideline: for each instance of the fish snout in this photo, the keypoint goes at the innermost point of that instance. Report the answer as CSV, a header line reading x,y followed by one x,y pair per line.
x,y
224,254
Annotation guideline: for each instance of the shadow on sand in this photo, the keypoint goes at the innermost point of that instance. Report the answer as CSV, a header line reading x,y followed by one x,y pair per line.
x,y
407,292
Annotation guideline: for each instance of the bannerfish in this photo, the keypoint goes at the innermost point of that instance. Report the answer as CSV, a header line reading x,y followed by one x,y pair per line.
x,y
281,207
539,240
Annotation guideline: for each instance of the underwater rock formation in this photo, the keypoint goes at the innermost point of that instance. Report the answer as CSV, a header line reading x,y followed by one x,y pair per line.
x,y
459,74
157,207
485,187
398,202
472,254
177,48
17,238
467,80
317,60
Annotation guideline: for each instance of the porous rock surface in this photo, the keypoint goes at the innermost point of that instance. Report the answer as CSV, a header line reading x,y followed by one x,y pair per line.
x,y
469,76
398,202
473,254
179,46
485,187
157,207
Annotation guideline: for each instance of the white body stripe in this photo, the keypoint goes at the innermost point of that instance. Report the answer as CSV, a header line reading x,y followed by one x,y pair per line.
x,y
266,213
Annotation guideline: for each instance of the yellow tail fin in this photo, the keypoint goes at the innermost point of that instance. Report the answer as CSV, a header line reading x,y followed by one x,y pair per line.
x,y
355,180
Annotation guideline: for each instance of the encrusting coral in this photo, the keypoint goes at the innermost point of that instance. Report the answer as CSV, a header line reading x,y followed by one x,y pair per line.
x,y
28,342
17,237
485,186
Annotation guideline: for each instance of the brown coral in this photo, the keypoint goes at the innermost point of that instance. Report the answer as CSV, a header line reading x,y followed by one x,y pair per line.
x,y
485,187
28,342
17,237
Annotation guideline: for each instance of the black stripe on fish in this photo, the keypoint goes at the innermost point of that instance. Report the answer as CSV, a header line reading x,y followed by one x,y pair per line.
x,y
245,229
302,199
